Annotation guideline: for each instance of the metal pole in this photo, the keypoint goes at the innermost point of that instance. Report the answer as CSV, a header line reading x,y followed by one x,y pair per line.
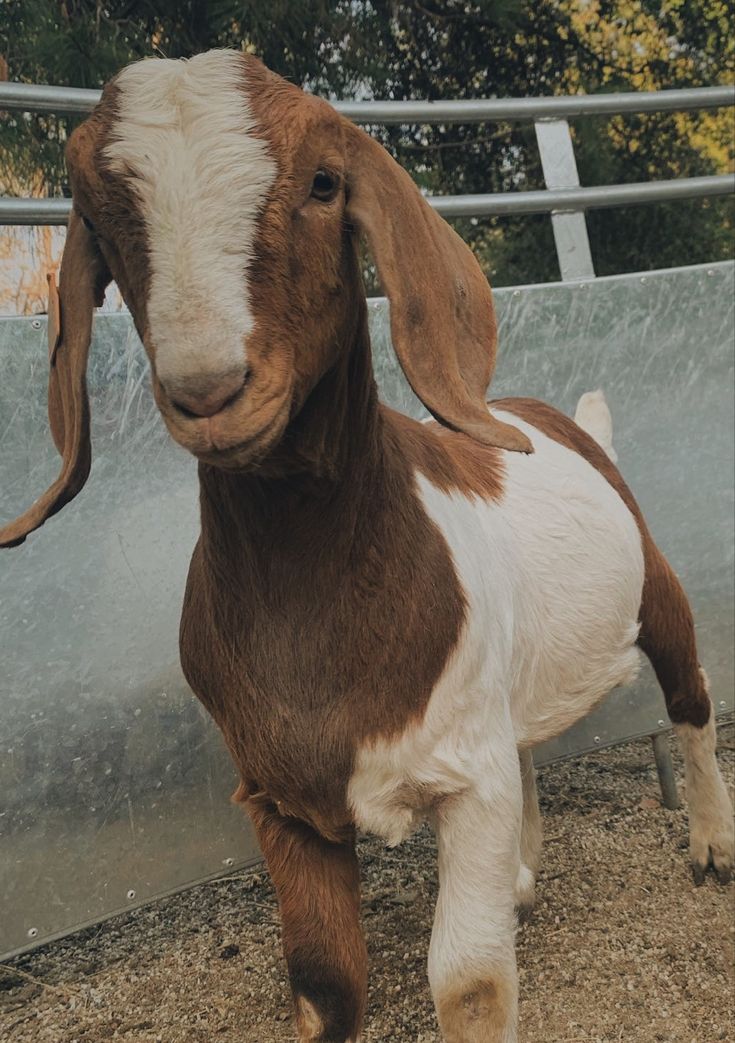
x,y
543,201
665,769
34,97
570,227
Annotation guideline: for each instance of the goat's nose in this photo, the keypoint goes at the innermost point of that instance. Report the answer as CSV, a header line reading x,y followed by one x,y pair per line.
x,y
205,395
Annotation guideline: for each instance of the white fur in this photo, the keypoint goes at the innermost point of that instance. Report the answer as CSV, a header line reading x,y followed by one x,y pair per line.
x,y
474,923
553,575
593,416
711,828
184,131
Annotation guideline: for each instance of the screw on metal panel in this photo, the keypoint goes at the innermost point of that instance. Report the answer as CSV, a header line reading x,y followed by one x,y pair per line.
x,y
516,293
710,271
723,704
644,279
662,724
228,861
583,285
597,738
131,894
35,324
32,932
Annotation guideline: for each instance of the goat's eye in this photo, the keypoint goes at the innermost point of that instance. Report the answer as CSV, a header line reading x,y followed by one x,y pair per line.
x,y
87,223
324,186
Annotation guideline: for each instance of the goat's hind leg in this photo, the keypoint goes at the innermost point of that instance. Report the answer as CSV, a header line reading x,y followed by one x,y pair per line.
x,y
318,888
711,840
531,839
667,637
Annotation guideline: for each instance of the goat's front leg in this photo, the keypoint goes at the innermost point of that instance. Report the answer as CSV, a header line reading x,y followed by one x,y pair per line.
x,y
318,888
472,965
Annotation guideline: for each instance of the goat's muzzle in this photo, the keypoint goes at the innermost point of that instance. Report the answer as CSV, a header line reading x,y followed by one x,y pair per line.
x,y
206,397
231,424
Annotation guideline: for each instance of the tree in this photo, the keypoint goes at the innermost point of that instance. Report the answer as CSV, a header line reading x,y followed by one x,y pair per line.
x,y
435,49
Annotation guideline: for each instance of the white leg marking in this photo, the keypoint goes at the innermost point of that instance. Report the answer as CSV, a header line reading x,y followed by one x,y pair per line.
x,y
472,966
711,828
310,1025
184,137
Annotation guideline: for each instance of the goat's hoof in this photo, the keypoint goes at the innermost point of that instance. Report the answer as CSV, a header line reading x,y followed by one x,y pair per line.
x,y
724,874
712,837
722,869
524,912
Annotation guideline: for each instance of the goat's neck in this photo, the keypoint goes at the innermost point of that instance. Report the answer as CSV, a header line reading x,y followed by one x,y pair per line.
x,y
312,493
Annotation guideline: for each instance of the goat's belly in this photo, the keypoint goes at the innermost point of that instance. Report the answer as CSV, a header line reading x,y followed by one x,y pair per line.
x,y
578,590
553,575
563,555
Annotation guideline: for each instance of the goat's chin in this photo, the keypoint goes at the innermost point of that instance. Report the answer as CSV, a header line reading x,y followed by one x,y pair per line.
x,y
232,442
245,457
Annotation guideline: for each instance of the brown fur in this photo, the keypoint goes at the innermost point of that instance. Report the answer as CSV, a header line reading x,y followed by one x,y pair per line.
x,y
667,633
446,342
318,887
318,612
82,282
479,1013
452,461
109,201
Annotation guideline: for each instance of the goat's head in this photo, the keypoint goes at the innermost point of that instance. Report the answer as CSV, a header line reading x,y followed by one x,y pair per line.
x,y
226,204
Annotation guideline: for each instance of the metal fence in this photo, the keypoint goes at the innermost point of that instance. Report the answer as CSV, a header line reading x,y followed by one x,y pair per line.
x,y
114,783
563,197
111,765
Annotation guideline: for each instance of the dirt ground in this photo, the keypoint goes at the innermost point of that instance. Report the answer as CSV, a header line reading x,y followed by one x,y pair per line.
x,y
622,946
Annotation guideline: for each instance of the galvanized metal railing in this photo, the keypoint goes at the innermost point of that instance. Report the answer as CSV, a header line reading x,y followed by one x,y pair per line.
x,y
34,97
563,197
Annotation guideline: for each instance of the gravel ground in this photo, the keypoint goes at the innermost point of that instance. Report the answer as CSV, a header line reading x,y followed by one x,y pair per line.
x,y
622,946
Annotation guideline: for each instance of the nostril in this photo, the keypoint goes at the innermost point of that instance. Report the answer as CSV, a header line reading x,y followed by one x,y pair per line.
x,y
205,396
185,410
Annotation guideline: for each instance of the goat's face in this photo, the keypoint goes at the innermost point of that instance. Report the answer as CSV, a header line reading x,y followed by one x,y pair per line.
x,y
215,192
226,204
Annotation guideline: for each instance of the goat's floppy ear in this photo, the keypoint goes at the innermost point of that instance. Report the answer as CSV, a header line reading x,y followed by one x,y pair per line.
x,y
441,309
83,279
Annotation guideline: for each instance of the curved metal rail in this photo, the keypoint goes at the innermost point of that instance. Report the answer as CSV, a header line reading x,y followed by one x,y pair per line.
x,y
33,97
543,201
563,198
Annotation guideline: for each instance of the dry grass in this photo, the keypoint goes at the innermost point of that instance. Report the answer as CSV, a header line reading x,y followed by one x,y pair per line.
x,y
622,945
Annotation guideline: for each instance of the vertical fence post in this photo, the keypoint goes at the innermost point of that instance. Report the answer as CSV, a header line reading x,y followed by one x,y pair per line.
x,y
560,171
665,769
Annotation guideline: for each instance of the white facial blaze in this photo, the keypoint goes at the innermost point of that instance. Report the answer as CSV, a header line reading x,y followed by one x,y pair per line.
x,y
184,131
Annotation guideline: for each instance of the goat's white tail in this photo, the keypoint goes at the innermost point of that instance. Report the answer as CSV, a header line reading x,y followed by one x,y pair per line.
x,y
593,416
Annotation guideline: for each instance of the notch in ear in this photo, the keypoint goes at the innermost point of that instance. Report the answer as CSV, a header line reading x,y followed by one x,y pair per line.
x,y
442,317
82,283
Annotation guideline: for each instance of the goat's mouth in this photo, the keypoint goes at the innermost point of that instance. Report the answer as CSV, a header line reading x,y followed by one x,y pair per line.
x,y
241,456
235,438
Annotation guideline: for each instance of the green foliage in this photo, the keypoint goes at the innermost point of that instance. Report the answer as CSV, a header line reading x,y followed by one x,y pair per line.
x,y
430,49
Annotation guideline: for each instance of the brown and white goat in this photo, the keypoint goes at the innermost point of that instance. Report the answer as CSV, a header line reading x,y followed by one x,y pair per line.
x,y
383,617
